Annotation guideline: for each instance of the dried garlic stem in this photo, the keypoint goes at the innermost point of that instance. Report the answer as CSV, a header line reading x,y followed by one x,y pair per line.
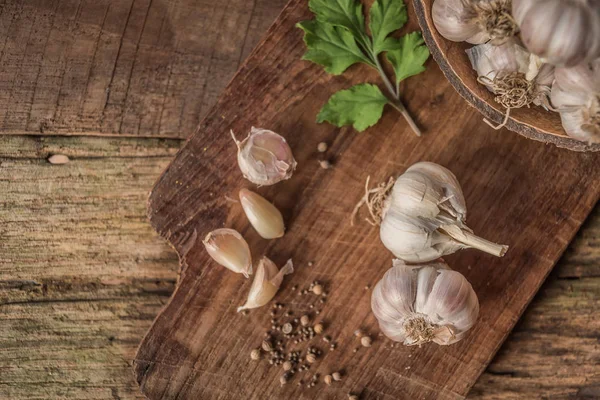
x,y
475,241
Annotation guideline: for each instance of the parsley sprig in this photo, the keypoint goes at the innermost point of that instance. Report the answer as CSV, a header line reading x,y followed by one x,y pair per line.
x,y
337,38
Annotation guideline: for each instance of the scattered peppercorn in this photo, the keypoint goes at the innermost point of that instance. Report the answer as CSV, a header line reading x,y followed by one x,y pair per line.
x,y
366,341
325,164
318,328
305,320
317,289
255,354
322,147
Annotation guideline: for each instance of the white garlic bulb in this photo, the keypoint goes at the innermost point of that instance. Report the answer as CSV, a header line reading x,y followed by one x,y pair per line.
x,y
576,96
423,217
266,283
228,248
513,74
263,215
425,303
474,21
265,157
563,32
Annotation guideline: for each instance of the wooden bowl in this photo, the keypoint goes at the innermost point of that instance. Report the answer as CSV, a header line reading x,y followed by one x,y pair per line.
x,y
533,123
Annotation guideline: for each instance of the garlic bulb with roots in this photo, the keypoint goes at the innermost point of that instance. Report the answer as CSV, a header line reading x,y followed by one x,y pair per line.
x,y
266,283
515,76
265,157
422,215
417,304
576,96
474,21
562,32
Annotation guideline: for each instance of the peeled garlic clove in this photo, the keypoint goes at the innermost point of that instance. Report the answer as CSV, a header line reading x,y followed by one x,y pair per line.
x,y
426,303
474,21
266,283
265,157
262,214
424,216
228,248
564,32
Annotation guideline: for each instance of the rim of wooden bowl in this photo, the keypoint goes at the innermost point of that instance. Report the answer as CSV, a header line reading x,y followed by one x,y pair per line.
x,y
521,120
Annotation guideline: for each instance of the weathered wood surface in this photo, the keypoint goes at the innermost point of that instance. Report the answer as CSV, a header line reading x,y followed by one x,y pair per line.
x,y
72,335
120,67
81,281
532,197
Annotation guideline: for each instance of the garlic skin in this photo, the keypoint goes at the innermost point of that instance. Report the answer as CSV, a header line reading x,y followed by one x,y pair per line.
x,y
229,249
474,21
266,283
563,32
263,215
415,305
265,157
424,217
517,77
576,96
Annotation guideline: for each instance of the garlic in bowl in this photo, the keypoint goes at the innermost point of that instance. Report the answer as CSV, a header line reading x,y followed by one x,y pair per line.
x,y
499,27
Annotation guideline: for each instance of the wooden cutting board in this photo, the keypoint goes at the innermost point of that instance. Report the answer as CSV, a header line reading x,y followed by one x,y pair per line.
x,y
531,196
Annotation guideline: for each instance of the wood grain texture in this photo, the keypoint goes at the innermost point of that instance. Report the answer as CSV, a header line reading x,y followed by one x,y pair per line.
x,y
120,67
69,337
533,123
532,197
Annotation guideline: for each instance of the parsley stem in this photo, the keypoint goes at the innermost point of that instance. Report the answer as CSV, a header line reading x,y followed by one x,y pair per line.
x,y
397,104
386,80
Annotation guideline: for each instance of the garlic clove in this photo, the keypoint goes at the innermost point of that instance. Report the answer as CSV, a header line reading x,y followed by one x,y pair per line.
x,y
265,157
576,96
266,283
263,215
228,248
445,305
454,20
579,123
564,33
474,21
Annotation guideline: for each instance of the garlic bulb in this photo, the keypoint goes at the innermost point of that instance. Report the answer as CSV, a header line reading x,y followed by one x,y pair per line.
x,y
265,157
423,217
266,283
576,96
563,32
228,248
262,214
426,303
515,76
474,21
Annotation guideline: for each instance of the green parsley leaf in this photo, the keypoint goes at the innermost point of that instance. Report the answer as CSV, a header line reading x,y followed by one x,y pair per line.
x,y
347,14
332,47
360,106
408,56
386,16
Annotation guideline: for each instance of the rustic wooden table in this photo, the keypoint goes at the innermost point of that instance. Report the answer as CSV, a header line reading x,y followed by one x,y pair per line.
x,y
117,86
